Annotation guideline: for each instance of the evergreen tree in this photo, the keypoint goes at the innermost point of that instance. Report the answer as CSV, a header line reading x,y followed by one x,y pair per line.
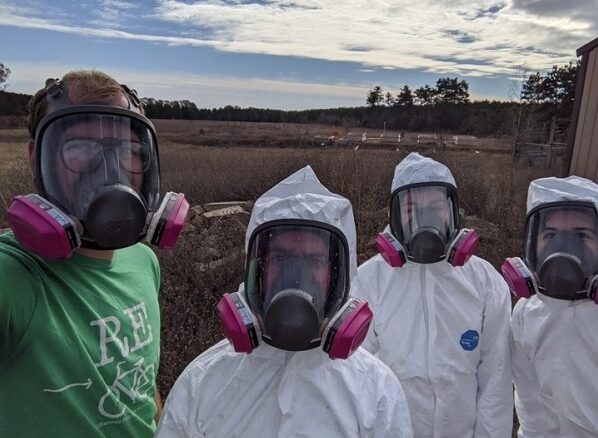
x,y
425,95
374,97
451,90
405,97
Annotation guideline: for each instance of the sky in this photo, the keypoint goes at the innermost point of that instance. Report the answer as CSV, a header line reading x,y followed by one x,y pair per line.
x,y
291,54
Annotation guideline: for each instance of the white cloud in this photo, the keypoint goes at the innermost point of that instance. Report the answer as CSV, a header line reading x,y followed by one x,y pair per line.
x,y
118,4
113,13
388,34
444,37
204,90
9,19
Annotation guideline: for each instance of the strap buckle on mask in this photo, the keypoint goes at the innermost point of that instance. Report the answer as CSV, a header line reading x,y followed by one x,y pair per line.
x,y
132,96
53,87
58,96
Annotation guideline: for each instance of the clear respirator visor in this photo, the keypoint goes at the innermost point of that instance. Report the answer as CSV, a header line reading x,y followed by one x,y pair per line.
x,y
568,229
83,151
423,207
309,260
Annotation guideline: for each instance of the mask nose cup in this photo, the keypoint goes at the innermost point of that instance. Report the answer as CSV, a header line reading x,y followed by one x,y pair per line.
x,y
116,217
427,246
291,321
561,273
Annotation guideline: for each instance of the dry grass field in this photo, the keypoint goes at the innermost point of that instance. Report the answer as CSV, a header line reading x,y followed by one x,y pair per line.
x,y
226,161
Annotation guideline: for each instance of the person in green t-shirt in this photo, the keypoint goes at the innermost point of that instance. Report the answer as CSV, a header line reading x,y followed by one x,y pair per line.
x,y
79,314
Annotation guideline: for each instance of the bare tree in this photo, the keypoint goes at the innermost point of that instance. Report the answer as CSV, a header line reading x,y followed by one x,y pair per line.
x,y
389,100
4,73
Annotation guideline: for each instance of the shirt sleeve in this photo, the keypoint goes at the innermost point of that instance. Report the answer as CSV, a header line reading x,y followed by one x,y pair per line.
x,y
17,302
155,268
535,419
495,390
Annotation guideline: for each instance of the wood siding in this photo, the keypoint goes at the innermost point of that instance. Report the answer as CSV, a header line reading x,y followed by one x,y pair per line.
x,y
584,160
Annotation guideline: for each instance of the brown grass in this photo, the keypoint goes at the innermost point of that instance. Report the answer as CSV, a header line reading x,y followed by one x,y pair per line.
x,y
16,176
211,161
492,192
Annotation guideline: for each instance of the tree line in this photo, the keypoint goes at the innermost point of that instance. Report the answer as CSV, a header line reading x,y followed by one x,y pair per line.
x,y
444,106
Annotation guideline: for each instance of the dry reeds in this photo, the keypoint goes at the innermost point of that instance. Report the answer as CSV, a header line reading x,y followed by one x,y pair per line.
x,y
492,191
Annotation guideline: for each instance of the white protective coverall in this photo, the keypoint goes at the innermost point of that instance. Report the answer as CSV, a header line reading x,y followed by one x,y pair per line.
x,y
444,331
277,393
554,346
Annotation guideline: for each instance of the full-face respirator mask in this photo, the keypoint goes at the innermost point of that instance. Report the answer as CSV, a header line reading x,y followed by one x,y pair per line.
x,y
295,295
560,253
98,180
424,227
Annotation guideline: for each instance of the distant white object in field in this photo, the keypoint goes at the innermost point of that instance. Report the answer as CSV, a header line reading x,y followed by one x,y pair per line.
x,y
356,147
464,139
426,138
356,136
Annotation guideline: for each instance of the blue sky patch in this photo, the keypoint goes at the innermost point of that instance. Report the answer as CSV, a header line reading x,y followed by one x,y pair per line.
x,y
288,54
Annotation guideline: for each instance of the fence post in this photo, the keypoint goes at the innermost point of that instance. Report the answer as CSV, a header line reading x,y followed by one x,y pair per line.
x,y
516,137
549,145
548,154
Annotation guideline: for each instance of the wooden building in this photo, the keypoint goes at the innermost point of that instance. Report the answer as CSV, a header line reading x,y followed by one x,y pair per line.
x,y
583,137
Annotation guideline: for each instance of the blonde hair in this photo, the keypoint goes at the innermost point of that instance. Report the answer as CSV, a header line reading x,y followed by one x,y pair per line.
x,y
84,86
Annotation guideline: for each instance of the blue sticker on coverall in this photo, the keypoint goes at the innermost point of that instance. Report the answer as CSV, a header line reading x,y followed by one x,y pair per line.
x,y
469,340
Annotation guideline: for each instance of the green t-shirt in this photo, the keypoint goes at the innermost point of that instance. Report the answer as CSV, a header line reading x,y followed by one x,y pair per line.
x,y
79,344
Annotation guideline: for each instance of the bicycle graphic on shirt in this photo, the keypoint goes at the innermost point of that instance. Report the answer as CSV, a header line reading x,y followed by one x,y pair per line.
x,y
133,384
